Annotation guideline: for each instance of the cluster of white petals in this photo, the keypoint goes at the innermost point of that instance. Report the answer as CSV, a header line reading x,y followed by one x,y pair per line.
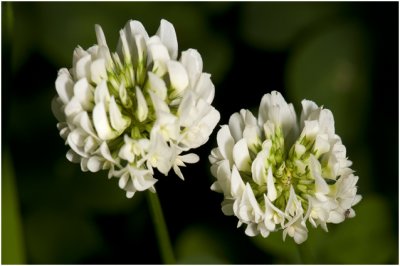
x,y
278,173
135,110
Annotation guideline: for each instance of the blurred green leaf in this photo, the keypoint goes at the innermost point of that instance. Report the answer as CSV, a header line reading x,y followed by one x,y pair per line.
x,y
275,25
332,68
12,250
199,245
365,239
60,236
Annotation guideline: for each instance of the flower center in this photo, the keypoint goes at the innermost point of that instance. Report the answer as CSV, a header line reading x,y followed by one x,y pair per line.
x,y
290,168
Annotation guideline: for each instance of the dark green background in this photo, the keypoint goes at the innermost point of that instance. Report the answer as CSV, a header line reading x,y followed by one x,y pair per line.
x,y
342,55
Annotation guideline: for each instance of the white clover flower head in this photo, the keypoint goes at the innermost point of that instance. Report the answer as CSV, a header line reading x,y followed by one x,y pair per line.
x,y
135,110
278,174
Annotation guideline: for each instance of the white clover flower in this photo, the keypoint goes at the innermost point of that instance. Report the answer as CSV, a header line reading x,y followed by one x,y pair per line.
x,y
137,109
277,173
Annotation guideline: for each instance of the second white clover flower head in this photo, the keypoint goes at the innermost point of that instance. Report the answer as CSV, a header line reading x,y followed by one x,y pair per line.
x,y
135,110
278,174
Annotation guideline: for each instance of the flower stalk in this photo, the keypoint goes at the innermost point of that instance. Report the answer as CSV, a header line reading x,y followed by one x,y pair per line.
x,y
163,239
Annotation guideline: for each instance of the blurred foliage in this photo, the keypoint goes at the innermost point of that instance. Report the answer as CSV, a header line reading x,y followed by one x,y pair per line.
x,y
13,250
199,245
275,26
338,62
341,55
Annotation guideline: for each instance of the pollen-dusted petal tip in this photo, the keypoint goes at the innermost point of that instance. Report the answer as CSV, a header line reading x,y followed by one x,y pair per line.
x,y
280,174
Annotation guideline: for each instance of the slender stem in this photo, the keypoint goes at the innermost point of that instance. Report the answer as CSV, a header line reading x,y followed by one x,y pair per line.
x,y
161,229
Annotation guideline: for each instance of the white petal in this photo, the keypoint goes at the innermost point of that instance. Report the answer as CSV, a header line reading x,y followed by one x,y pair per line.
x,y
161,153
310,129
77,137
57,107
271,194
273,107
83,91
64,85
308,108
258,169
178,172
251,230
237,184
73,107
236,126
98,70
82,67
94,164
104,53
335,217
105,152
216,187
227,208
123,96
292,204
191,60
142,109
136,28
118,121
144,180
187,109
320,184
223,177
299,149
158,104
101,93
101,39
141,49
253,202
86,124
101,124
225,142
189,158
167,34
90,145
73,156
321,144
123,180
327,122
126,152
178,76
136,36
157,85
124,47
157,51
205,88
129,194
241,156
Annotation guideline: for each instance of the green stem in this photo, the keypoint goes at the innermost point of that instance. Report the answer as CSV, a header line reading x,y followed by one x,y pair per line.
x,y
161,228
